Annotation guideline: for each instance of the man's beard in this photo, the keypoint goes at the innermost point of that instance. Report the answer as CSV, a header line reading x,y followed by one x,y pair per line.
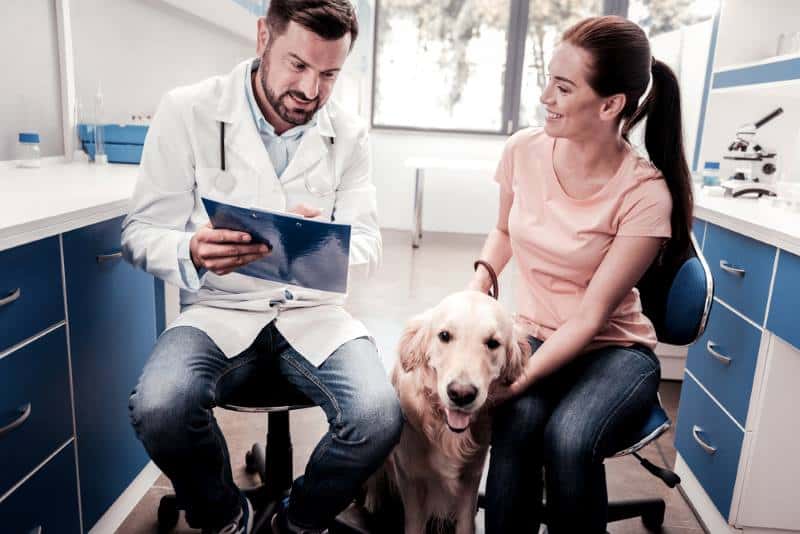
x,y
293,116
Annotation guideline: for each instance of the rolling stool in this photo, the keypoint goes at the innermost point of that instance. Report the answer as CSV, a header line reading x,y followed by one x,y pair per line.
x,y
273,463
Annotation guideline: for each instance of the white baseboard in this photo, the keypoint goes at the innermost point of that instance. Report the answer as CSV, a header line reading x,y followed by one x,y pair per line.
x,y
701,503
673,360
122,507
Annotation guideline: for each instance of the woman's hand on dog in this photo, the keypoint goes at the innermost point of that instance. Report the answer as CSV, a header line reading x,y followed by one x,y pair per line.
x,y
501,393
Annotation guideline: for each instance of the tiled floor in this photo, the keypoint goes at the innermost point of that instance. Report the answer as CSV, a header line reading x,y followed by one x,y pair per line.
x,y
407,283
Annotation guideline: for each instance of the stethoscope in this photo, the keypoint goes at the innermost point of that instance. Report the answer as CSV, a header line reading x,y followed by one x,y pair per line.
x,y
311,188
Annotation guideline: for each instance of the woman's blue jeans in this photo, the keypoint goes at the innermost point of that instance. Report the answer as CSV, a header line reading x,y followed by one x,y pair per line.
x,y
567,423
187,375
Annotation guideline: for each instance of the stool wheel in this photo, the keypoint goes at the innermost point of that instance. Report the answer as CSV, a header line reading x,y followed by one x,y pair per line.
x,y
250,464
654,519
167,514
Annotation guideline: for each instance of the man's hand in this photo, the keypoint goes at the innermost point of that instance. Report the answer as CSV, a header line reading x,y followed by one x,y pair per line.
x,y
309,212
222,251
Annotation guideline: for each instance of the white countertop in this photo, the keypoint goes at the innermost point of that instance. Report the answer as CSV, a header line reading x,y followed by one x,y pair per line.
x,y
59,197
756,218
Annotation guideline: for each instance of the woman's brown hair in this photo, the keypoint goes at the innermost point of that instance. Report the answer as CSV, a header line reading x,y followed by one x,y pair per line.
x,y
622,63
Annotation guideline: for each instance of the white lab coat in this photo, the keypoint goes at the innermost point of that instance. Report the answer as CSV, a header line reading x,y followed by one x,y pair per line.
x,y
181,163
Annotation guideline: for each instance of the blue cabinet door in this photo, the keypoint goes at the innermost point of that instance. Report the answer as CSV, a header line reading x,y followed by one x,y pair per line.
x,y
35,407
46,502
112,322
31,296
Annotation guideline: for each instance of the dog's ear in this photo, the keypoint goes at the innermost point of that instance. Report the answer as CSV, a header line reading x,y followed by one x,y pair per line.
x,y
414,341
518,352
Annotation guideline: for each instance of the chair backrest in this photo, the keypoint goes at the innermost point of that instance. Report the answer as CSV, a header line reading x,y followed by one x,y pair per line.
x,y
677,296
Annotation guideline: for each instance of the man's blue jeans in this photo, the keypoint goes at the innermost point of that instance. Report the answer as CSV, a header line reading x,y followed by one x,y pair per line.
x,y
187,375
567,423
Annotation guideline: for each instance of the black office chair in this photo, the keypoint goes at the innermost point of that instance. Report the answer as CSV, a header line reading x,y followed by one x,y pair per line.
x,y
679,311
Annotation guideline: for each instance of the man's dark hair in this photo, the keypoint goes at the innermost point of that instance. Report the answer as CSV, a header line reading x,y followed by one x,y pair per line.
x,y
330,19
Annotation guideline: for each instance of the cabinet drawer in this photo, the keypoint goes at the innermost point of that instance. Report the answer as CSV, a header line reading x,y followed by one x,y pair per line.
x,y
30,290
33,380
47,502
782,319
702,424
742,270
730,381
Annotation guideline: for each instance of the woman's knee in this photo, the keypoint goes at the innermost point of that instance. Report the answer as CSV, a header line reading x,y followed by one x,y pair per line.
x,y
569,443
519,422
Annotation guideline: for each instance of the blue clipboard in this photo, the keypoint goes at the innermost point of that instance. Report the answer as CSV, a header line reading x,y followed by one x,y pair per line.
x,y
305,252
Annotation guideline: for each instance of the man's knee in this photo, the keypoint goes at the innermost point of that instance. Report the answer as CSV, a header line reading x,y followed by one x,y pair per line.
x,y
376,420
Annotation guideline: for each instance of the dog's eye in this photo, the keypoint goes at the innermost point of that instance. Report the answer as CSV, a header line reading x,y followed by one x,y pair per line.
x,y
444,336
492,343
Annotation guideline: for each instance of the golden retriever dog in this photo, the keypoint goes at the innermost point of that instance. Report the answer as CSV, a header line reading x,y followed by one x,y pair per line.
x,y
449,358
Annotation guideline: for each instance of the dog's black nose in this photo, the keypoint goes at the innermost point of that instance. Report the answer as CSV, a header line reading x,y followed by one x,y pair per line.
x,y
461,394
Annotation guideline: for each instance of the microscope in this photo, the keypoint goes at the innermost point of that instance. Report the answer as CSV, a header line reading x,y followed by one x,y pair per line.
x,y
752,169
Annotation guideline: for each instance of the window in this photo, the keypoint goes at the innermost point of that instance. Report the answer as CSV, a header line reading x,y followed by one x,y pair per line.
x,y
481,65
440,64
662,16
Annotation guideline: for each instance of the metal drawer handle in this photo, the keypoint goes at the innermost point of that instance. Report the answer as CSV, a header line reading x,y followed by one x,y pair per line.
x,y
711,346
25,412
728,268
14,295
696,435
101,258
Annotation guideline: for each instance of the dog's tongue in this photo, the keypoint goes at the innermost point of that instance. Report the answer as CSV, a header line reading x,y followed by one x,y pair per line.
x,y
457,420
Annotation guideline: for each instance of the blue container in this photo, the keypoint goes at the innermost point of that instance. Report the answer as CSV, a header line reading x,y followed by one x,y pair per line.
x,y
118,153
711,173
126,134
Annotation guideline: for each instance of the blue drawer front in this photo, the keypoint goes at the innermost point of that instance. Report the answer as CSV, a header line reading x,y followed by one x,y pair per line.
x,y
748,293
46,502
730,336
716,472
37,374
112,332
33,270
782,318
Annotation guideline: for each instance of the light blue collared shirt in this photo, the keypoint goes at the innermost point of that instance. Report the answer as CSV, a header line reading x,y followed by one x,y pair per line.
x,y
281,148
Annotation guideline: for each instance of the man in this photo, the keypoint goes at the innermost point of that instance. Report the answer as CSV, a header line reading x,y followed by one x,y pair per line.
x,y
263,136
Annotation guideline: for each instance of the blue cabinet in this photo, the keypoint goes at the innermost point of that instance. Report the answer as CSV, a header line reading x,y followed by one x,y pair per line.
x,y
34,392
47,501
710,443
112,320
782,317
31,297
742,270
724,360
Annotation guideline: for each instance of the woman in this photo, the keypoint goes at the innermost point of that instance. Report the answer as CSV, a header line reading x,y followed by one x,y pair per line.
x,y
585,216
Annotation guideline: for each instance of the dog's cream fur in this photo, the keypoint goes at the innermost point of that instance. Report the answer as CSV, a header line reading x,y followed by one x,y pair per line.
x,y
435,468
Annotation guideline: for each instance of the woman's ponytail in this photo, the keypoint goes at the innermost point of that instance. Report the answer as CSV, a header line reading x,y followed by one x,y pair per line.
x,y
663,139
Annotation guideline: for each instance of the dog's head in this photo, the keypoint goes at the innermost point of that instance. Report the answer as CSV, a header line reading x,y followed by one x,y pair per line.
x,y
467,343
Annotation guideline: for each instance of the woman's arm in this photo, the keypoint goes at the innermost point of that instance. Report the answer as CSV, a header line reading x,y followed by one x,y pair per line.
x,y
497,247
626,261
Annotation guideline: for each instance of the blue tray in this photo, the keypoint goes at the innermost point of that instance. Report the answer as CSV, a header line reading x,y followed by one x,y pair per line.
x,y
126,134
117,153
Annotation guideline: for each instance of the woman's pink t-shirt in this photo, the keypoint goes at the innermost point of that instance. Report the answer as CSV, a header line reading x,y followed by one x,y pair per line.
x,y
559,242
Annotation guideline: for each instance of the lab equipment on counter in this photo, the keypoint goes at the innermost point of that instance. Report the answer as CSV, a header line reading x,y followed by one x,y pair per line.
x,y
28,152
750,168
711,173
123,142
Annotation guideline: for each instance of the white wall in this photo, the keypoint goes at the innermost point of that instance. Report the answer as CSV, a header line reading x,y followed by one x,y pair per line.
x,y
139,49
453,202
30,94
